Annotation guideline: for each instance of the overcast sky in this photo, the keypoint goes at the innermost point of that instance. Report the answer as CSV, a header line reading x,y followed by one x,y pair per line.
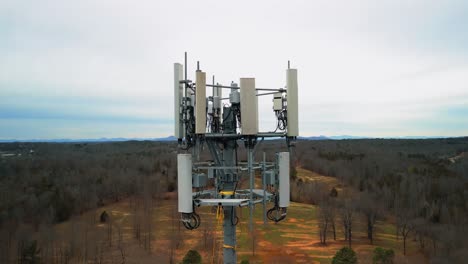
x,y
91,69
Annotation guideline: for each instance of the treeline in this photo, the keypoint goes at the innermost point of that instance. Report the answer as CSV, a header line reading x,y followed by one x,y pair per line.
x,y
422,185
46,183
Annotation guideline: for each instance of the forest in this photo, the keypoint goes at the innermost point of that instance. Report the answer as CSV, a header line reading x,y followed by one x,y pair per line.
x,y
43,184
420,185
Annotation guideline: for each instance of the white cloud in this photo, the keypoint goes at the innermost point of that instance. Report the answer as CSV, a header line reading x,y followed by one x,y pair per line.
x,y
359,61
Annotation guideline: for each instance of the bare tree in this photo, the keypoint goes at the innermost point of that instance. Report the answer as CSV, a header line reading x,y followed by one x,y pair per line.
x,y
120,245
326,218
323,224
371,210
136,217
176,238
406,209
109,229
332,216
147,218
405,225
347,209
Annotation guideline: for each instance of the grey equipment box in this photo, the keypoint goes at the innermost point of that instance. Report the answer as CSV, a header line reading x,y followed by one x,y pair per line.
x,y
199,180
270,177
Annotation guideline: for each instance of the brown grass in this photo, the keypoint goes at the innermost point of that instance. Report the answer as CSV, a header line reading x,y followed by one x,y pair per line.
x,y
295,240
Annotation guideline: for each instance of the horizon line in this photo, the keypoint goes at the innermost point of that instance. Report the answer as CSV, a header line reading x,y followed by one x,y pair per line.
x,y
172,138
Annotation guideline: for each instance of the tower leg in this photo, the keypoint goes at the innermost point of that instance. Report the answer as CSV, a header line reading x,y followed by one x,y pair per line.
x,y
229,249
228,184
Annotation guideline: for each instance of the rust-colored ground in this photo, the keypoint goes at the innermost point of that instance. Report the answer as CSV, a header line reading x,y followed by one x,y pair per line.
x,y
294,240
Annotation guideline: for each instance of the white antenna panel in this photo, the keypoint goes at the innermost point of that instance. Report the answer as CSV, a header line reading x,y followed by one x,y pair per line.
x,y
216,102
184,182
292,100
283,162
178,94
248,106
218,91
200,103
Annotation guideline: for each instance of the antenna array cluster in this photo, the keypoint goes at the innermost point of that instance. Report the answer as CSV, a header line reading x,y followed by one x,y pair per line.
x,y
220,123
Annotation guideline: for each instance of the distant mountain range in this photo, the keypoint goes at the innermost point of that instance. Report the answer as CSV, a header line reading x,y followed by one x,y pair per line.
x,y
67,140
322,137
172,138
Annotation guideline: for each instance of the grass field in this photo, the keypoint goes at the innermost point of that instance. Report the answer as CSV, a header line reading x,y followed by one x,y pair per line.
x,y
294,240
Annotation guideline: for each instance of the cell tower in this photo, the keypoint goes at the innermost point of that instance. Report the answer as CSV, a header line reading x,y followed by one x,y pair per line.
x,y
220,123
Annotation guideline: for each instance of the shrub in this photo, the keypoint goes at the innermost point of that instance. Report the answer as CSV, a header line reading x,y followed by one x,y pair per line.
x,y
63,204
192,257
293,173
333,192
104,217
383,256
171,187
244,261
30,252
345,256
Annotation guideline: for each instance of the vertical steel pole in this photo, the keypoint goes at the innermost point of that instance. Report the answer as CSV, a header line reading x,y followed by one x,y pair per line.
x,y
213,90
249,164
185,66
228,183
264,189
251,175
229,246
